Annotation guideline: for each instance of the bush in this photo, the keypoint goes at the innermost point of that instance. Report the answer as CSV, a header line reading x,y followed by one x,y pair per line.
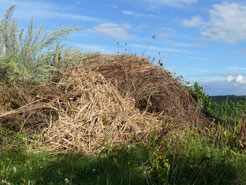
x,y
31,54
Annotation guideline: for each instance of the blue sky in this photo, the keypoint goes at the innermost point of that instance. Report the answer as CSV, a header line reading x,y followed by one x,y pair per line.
x,y
204,41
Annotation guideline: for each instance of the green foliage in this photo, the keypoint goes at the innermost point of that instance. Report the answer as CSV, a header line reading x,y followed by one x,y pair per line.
x,y
159,168
31,54
235,138
9,68
199,95
194,161
228,113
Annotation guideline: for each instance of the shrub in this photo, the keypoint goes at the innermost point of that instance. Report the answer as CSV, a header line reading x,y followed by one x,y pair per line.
x,y
31,54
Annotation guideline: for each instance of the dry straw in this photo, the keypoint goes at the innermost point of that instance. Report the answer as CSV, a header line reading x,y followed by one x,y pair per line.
x,y
154,89
106,100
91,113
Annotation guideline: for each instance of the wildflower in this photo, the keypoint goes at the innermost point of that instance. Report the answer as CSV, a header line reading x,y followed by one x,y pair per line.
x,y
167,166
14,169
66,181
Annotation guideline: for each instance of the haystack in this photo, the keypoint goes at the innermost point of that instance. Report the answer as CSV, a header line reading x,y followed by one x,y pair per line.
x,y
93,113
106,100
82,112
153,88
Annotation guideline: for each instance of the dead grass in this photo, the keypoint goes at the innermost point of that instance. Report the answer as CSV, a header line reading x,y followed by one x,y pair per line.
x,y
153,88
106,100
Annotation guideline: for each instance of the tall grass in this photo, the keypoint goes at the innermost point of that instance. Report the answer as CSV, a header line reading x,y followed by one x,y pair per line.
x,y
196,160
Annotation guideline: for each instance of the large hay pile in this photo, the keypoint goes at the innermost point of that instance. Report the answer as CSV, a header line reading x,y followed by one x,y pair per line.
x,y
93,112
108,99
153,88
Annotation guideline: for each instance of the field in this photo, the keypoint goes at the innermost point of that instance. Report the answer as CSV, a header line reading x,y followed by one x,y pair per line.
x,y
68,117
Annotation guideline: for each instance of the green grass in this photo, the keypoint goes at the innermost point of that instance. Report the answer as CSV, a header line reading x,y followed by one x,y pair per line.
x,y
194,161
45,168
197,162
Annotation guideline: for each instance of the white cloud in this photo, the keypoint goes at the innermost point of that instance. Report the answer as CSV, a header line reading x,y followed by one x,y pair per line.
x,y
230,78
226,23
115,31
127,12
195,21
238,79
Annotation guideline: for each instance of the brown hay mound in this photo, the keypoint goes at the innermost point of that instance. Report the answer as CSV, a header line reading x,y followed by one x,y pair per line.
x,y
154,89
91,113
83,112
109,99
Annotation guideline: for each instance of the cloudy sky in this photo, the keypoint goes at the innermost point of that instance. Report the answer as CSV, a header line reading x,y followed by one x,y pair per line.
x,y
204,41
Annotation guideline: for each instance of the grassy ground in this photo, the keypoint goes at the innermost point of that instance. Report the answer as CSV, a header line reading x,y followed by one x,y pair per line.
x,y
193,161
